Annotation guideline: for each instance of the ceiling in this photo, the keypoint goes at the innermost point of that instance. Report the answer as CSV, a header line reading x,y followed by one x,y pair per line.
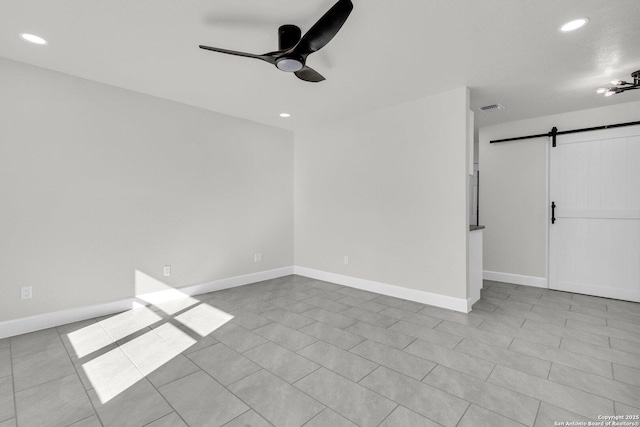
x,y
506,51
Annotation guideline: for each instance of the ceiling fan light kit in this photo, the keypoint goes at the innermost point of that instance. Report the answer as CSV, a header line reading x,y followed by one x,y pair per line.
x,y
294,48
620,86
290,65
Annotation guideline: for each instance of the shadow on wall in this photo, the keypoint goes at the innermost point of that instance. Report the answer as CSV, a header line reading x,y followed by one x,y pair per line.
x,y
120,350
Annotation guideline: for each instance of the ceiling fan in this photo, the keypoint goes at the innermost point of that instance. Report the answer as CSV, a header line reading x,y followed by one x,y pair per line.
x,y
294,48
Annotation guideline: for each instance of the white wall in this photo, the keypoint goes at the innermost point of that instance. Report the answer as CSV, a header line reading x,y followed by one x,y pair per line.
x,y
513,188
389,190
97,182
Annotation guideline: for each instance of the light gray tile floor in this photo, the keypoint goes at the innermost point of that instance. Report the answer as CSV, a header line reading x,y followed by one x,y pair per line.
x,y
302,352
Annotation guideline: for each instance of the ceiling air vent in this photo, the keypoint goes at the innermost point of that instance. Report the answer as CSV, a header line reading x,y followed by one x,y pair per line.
x,y
493,107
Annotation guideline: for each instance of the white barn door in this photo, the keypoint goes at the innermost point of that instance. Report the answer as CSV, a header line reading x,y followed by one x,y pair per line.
x,y
594,244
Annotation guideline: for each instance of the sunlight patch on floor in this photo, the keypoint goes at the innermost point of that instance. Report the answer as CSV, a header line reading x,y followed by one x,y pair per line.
x,y
111,374
124,324
158,294
175,337
87,340
204,319
149,351
115,371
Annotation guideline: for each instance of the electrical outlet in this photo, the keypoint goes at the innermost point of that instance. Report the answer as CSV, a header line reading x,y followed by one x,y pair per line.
x,y
346,260
167,270
26,292
257,257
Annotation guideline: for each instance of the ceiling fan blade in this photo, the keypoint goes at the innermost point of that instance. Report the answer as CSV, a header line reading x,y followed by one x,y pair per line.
x,y
267,57
309,75
325,29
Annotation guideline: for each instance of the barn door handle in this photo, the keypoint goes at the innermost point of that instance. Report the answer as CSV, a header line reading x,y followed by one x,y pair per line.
x,y
553,212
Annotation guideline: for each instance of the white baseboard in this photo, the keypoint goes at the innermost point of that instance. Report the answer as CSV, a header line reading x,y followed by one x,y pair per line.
x,y
443,301
232,282
38,322
471,301
49,320
24,325
517,279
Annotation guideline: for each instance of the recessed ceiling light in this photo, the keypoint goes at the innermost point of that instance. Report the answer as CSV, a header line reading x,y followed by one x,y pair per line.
x,y
285,115
574,25
33,38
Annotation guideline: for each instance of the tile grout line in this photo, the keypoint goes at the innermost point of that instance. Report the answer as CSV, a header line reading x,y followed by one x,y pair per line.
x,y
394,323
183,376
564,385
329,369
86,418
389,414
559,336
169,403
49,381
612,374
388,367
414,340
481,331
316,415
245,412
86,392
516,353
486,381
609,327
563,364
537,412
235,395
355,382
464,413
309,345
13,383
505,416
435,365
489,376
159,418
629,318
422,383
605,348
507,388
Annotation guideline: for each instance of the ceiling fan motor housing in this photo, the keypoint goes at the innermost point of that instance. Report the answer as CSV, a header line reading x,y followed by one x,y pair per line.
x,y
288,36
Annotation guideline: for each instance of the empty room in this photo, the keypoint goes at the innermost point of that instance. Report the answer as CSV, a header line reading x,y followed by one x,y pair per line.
x,y
329,213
